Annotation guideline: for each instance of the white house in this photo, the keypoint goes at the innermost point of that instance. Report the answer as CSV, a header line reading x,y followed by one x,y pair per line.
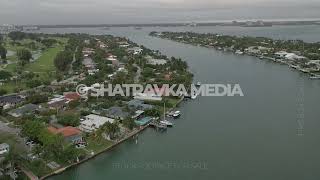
x,y
93,122
157,61
4,148
135,50
147,97
289,56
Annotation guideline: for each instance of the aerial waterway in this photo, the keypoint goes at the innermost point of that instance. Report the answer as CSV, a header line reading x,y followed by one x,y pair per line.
x,y
270,133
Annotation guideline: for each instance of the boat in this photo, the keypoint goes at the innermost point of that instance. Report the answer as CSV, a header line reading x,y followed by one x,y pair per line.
x,y
170,114
293,66
166,122
176,114
315,77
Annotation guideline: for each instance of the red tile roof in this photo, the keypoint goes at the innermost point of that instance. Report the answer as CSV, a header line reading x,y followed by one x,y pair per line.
x,y
73,96
65,131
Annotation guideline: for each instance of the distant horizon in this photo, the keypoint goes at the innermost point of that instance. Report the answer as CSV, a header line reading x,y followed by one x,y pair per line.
x,y
52,12
177,22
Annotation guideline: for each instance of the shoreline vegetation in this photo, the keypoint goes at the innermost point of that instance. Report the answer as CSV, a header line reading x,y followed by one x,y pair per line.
x,y
56,127
299,55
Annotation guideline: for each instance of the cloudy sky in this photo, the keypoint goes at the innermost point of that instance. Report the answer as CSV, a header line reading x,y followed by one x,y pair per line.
x,y
151,11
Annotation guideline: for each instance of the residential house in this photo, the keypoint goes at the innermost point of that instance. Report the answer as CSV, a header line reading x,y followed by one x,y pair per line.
x,y
314,65
113,59
57,103
87,51
116,112
147,97
288,56
257,50
123,44
10,101
280,54
88,63
70,134
135,50
71,96
139,105
152,61
93,122
138,114
24,110
4,148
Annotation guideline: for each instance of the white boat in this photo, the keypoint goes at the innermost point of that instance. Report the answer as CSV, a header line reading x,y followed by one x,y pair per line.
x,y
176,114
315,77
166,122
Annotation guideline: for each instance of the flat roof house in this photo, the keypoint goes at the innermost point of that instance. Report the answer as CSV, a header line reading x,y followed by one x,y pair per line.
x,y
57,103
4,148
23,110
147,97
157,61
93,122
139,105
70,134
10,101
116,113
135,50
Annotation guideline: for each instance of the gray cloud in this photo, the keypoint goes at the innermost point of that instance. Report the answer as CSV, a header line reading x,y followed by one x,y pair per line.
x,y
147,11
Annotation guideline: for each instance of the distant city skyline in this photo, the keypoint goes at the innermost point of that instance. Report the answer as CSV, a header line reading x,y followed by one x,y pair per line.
x,y
50,12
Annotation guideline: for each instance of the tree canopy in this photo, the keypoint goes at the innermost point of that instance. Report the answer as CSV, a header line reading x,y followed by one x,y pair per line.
x,y
24,55
17,35
5,75
63,60
3,52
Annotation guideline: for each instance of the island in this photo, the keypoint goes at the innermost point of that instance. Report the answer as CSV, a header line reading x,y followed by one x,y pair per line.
x,y
297,54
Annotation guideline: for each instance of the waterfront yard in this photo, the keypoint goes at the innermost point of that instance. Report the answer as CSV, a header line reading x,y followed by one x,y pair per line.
x,y
97,144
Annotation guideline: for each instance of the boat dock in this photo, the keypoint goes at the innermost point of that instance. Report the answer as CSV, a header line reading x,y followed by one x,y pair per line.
x,y
157,125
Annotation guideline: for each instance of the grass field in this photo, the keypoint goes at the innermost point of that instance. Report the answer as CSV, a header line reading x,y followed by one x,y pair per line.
x,y
43,66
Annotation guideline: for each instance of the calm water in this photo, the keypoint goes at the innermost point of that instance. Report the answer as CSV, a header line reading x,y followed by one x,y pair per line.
x,y
250,138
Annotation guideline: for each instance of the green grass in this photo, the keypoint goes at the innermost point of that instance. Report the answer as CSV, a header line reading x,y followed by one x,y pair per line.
x,y
12,141
45,62
43,66
11,86
97,144
38,167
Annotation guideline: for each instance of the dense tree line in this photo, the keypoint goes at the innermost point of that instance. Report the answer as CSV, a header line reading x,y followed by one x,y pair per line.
x,y
3,52
24,55
63,60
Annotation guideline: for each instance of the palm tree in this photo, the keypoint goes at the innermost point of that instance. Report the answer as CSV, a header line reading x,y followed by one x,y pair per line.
x,y
110,128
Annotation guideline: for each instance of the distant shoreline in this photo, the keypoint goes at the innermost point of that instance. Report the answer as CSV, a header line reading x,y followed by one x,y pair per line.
x,y
222,23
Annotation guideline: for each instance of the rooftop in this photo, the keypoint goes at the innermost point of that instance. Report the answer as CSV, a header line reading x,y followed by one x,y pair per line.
x,y
65,131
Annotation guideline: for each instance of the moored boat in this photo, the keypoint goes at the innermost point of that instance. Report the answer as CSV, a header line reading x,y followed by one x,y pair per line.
x,y
315,77
176,114
166,122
